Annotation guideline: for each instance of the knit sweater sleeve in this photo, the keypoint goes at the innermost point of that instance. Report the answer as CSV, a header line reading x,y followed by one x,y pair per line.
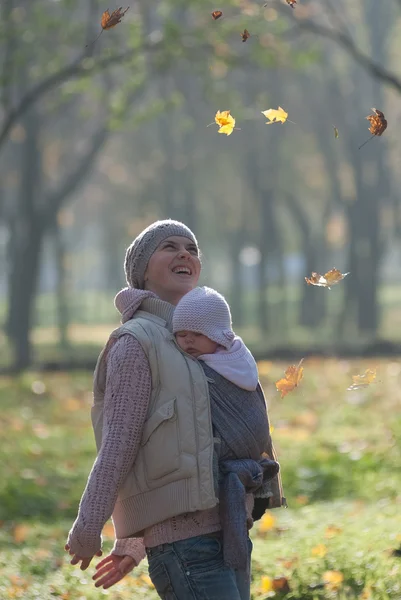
x,y
127,393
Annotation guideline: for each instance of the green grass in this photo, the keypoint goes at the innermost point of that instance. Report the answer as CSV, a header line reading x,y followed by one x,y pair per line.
x,y
340,455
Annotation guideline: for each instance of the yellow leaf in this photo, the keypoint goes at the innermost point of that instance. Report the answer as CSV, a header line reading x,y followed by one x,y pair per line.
x,y
266,584
291,380
146,579
333,579
331,531
267,522
319,551
361,381
275,115
225,121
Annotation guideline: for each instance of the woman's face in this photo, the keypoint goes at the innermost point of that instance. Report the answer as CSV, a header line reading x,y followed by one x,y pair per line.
x,y
173,269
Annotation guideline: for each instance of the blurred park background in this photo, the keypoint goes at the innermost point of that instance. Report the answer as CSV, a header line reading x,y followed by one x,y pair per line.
x,y
100,138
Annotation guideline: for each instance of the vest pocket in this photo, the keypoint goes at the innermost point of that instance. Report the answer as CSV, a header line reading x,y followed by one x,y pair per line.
x,y
160,444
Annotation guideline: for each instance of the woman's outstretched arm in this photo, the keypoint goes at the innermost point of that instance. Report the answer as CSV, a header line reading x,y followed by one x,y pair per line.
x,y
127,393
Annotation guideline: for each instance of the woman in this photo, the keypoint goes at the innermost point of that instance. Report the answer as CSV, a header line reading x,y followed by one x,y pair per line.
x,y
180,448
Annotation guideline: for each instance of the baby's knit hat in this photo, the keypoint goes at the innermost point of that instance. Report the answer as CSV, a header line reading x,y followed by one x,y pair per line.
x,y
139,252
205,311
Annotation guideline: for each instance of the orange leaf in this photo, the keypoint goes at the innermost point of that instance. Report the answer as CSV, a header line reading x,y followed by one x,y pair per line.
x,y
216,14
331,531
111,20
280,584
291,380
361,381
20,533
225,121
319,551
328,279
378,123
292,3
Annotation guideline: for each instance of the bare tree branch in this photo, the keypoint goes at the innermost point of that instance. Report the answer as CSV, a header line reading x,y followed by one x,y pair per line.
x,y
54,200
360,57
76,69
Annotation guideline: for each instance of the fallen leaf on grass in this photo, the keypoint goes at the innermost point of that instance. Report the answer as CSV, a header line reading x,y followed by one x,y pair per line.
x,y
291,379
361,381
20,533
275,115
333,579
267,522
331,531
328,279
280,584
266,584
319,551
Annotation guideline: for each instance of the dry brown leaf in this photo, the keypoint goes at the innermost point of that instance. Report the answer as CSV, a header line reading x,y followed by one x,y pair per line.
x,y
378,124
245,35
216,14
292,3
111,20
291,379
328,279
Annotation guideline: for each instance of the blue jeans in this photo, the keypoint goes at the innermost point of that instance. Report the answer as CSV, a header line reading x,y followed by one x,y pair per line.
x,y
193,569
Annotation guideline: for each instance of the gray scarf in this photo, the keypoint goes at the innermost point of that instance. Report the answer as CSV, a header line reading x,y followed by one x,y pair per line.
x,y
241,425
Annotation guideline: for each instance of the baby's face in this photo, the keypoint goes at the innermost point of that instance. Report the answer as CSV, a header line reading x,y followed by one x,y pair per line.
x,y
195,344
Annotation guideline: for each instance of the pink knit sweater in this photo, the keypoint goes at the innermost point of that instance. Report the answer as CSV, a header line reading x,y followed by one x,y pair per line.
x,y
127,394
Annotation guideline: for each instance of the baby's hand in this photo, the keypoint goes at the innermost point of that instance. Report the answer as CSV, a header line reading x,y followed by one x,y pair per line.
x,y
112,569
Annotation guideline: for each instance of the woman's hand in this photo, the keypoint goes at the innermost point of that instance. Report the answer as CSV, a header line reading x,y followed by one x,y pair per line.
x,y
112,569
85,559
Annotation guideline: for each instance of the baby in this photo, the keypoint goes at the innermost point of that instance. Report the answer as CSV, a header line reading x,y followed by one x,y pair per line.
x,y
203,328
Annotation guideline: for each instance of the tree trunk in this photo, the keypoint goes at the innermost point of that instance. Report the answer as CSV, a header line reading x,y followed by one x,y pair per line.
x,y
63,318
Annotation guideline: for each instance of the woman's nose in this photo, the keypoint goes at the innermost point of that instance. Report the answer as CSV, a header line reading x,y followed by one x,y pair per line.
x,y
183,253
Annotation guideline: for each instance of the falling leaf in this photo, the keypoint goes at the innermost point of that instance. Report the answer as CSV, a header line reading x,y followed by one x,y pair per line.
x,y
378,124
335,132
330,278
361,381
333,579
267,522
291,380
275,115
225,121
245,35
216,14
113,19
292,3
280,584
110,20
319,551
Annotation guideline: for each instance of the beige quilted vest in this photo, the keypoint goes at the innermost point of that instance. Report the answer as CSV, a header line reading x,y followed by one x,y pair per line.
x,y
172,473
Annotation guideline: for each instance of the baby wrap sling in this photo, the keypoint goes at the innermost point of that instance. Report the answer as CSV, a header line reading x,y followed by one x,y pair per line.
x,y
241,426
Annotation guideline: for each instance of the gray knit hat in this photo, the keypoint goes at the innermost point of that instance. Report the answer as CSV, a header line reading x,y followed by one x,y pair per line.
x,y
205,311
139,252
